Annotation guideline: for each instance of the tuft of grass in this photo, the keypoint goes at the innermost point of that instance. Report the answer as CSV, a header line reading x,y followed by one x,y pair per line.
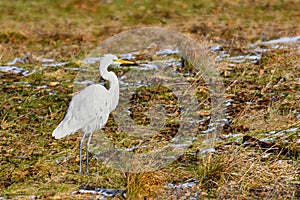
x,y
244,173
12,36
145,184
241,173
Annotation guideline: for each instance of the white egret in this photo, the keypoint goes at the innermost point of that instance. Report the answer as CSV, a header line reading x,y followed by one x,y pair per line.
x,y
89,109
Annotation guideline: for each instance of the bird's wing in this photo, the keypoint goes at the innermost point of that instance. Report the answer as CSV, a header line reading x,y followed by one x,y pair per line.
x,y
88,110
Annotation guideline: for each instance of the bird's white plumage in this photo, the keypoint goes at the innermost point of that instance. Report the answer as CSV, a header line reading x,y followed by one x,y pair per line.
x,y
89,109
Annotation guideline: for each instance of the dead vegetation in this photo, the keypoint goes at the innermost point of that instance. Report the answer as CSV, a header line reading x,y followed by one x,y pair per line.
x,y
264,98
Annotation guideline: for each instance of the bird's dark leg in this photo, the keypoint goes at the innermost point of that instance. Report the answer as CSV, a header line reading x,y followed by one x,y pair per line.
x,y
87,158
87,153
80,153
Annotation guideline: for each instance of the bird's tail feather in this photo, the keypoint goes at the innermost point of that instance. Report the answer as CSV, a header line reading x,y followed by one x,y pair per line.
x,y
63,130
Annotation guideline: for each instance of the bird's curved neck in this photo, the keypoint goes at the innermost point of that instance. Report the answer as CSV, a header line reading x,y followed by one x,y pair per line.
x,y
113,84
109,76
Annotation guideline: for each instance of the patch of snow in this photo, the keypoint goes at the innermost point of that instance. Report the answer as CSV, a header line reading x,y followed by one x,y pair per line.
x,y
167,51
283,40
57,64
17,60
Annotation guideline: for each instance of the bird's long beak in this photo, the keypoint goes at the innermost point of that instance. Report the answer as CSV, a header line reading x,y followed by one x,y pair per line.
x,y
126,62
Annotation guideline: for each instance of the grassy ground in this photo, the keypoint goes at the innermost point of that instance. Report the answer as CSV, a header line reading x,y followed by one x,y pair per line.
x,y
33,163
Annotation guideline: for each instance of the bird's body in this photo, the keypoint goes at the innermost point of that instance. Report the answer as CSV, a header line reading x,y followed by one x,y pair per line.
x,y
89,109
84,113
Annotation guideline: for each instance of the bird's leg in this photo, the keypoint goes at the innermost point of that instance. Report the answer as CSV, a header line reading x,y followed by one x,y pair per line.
x,y
87,154
80,153
87,158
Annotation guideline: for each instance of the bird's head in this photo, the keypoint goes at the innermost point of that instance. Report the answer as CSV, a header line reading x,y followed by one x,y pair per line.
x,y
110,59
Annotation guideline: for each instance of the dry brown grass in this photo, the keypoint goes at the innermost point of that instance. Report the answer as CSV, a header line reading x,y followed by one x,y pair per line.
x,y
247,174
33,163
141,185
237,173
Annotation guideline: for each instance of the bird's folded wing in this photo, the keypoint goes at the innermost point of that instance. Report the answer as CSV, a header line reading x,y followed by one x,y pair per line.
x,y
88,110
